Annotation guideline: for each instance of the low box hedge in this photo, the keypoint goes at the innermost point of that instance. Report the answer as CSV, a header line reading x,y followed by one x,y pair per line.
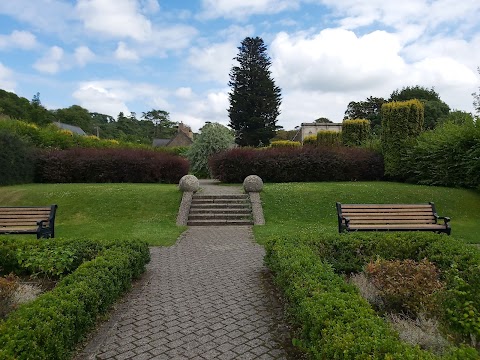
x,y
333,319
50,326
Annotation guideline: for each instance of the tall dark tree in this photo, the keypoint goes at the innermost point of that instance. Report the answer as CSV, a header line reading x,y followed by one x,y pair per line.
x,y
435,109
476,98
369,109
254,99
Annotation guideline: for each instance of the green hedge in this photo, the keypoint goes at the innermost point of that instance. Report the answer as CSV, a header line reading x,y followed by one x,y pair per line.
x,y
16,160
53,324
329,138
355,132
333,320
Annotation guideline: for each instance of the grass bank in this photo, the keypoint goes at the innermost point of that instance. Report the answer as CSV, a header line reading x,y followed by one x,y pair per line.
x,y
309,208
105,211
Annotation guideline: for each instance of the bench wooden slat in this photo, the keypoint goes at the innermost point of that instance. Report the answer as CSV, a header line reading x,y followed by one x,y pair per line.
x,y
25,219
384,217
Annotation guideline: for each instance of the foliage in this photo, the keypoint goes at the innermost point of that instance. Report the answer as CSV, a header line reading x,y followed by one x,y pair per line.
x,y
329,138
99,211
16,159
447,156
284,135
309,208
369,109
406,286
401,123
476,98
109,165
298,164
285,143
53,324
435,108
334,321
254,99
213,138
310,140
355,132
323,120
8,285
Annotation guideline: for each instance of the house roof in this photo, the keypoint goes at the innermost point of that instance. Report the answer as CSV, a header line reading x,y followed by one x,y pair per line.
x,y
160,142
72,128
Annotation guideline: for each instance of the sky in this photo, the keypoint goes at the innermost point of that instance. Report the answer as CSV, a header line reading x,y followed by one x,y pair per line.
x,y
112,56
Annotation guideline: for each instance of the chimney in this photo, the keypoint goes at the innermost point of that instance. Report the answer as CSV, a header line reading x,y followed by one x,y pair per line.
x,y
186,130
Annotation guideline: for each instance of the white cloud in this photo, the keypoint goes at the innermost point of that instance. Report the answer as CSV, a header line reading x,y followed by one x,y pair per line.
x,y
18,39
184,93
7,81
240,9
113,96
115,19
150,6
83,55
51,62
124,53
214,62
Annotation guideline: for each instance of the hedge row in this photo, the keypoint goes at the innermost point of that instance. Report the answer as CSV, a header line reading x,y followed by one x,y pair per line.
x,y
109,165
16,160
446,156
333,320
297,164
52,325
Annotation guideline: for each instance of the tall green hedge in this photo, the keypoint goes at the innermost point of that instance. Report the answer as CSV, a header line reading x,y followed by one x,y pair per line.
x,y
329,138
355,132
16,160
402,122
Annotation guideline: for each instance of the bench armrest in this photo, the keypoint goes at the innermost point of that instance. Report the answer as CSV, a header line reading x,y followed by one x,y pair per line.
x,y
445,219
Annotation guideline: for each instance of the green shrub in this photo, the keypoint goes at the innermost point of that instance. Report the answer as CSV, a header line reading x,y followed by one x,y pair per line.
x,y
335,322
213,138
16,160
355,132
402,122
310,140
285,143
329,138
446,156
52,325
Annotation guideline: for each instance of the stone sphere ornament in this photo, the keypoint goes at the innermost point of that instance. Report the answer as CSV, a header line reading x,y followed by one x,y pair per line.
x,y
253,183
189,183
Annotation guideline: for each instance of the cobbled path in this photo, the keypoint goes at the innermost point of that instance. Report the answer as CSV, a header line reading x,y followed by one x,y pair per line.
x,y
207,297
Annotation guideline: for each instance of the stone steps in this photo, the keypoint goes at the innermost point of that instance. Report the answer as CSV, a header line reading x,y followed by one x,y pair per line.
x,y
219,210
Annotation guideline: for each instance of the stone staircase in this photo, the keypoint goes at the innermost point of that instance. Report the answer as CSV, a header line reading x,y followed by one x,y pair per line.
x,y
217,210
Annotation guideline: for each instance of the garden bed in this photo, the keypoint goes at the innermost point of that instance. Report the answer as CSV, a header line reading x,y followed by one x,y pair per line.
x,y
335,322
91,276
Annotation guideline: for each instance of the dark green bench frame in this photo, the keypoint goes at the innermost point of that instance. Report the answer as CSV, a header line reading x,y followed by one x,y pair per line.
x,y
39,220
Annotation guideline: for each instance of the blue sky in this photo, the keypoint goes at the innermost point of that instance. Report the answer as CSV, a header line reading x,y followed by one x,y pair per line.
x,y
136,55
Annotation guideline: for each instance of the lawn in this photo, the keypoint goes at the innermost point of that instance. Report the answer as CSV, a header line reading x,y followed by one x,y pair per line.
x,y
293,208
105,211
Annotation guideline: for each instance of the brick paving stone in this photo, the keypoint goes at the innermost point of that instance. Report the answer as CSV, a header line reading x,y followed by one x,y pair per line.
x,y
207,297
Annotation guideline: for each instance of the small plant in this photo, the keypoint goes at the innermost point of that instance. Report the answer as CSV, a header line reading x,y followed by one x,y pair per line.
x,y
285,143
310,140
406,286
8,286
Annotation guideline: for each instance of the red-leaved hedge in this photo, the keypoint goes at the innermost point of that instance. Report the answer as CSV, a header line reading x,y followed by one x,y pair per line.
x,y
297,164
108,166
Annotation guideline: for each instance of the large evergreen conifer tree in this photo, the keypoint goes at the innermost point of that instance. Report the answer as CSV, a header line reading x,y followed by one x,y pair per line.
x,y
254,99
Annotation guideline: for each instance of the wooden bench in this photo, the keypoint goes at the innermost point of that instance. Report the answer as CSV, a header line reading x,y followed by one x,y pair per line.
x,y
390,217
38,220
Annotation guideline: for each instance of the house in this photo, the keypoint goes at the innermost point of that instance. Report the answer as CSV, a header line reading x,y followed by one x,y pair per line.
x,y
307,129
183,137
72,128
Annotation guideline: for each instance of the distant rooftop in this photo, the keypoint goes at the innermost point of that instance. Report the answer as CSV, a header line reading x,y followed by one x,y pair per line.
x,y
74,129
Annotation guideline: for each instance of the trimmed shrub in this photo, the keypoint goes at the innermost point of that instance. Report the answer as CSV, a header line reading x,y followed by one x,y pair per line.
x,y
310,140
402,122
355,132
329,138
446,156
109,165
297,164
333,320
53,324
16,160
285,143
213,138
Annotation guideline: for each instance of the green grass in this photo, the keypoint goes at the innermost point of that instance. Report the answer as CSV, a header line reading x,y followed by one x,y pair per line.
x,y
294,208
105,211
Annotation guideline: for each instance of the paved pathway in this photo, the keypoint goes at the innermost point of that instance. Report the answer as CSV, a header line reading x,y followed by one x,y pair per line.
x,y
207,297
